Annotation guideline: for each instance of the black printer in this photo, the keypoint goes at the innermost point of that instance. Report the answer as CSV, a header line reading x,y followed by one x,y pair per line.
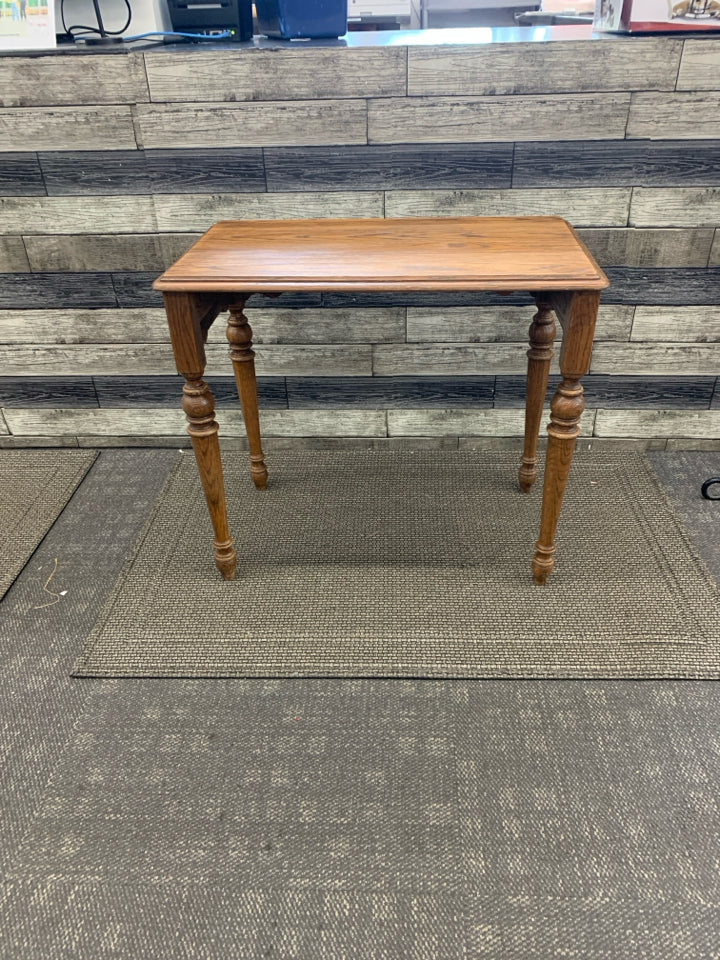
x,y
213,17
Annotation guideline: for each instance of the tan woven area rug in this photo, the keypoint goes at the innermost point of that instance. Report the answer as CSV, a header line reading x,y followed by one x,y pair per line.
x,y
400,563
35,486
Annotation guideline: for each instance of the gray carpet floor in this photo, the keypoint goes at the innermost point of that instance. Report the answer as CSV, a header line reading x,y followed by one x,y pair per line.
x,y
328,819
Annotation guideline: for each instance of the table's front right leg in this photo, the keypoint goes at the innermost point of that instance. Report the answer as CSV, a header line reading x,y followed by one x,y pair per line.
x,y
186,314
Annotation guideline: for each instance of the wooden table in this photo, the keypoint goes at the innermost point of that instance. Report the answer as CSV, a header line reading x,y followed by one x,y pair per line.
x,y
236,258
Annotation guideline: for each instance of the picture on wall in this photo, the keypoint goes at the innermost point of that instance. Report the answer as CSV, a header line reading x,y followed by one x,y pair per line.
x,y
27,25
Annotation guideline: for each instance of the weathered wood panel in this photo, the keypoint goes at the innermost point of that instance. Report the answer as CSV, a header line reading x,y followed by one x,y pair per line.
x,y
616,163
95,252
390,166
13,257
326,360
65,215
675,207
650,248
20,175
715,252
500,324
4,429
251,124
490,423
199,212
167,391
656,358
503,68
677,116
152,421
47,392
699,65
412,360
704,424
56,290
589,206
475,298
390,392
135,289
47,326
62,80
677,324
87,172
174,245
667,285
67,128
272,74
326,326
127,359
607,390
236,170
459,119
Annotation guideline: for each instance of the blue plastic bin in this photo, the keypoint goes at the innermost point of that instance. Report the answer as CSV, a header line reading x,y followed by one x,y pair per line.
x,y
295,19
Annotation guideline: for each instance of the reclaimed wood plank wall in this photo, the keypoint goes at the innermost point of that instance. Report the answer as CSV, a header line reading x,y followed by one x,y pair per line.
x,y
112,164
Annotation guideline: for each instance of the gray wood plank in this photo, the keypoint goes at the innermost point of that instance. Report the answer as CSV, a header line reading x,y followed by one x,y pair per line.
x,y
49,325
699,65
389,166
603,390
675,206
239,170
658,423
167,391
13,256
372,325
53,215
650,248
677,324
461,119
251,124
58,290
262,74
67,128
104,172
20,175
714,260
47,392
590,206
57,80
384,393
655,359
321,360
431,423
475,298
443,359
199,212
677,116
500,324
666,285
617,163
572,66
87,359
174,245
95,253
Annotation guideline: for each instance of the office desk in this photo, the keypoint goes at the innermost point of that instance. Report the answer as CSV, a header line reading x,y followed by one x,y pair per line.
x,y
235,259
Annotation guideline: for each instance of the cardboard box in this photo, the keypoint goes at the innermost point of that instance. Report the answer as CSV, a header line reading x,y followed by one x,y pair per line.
x,y
656,16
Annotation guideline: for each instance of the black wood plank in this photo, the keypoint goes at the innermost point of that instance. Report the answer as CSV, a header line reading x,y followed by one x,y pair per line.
x,y
603,390
715,403
236,170
25,291
167,391
617,163
20,175
96,172
61,392
389,392
676,286
447,299
385,167
135,289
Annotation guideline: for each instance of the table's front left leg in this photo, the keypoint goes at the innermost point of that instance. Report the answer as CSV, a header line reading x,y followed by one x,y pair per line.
x,y
577,313
188,319
239,334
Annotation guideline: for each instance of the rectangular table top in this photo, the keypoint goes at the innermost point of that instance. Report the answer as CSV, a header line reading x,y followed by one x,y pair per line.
x,y
374,255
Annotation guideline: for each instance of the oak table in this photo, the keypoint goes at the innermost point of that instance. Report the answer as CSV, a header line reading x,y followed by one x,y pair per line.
x,y
236,258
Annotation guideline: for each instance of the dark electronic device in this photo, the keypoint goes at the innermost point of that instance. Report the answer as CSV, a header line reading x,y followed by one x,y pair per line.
x,y
213,17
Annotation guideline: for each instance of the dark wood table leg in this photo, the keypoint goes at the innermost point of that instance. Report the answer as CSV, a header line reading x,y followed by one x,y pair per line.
x,y
577,313
189,318
542,335
239,334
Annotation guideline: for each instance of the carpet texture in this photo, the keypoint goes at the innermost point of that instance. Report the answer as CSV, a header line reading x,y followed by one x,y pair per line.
x,y
35,485
408,564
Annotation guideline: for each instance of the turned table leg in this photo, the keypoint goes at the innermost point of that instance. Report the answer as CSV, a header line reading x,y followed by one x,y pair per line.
x,y
239,334
188,322
542,335
577,313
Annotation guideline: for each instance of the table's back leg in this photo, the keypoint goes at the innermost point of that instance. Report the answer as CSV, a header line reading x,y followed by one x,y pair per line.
x,y
577,313
186,332
239,334
542,335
